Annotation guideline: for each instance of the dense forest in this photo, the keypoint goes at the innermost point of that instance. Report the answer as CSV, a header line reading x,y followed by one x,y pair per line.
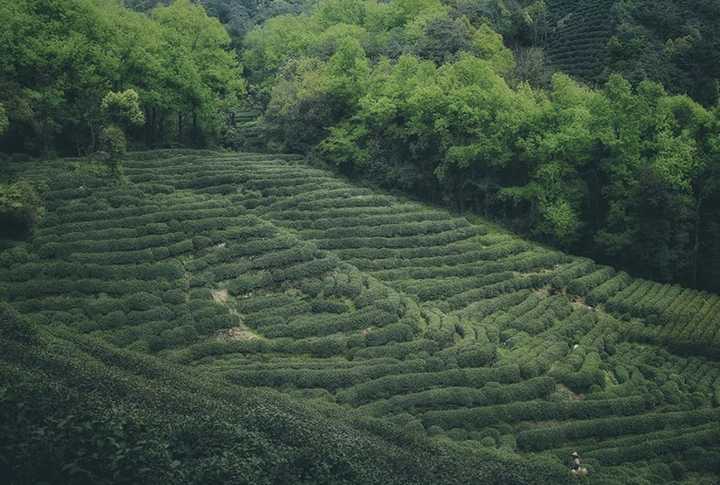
x,y
360,241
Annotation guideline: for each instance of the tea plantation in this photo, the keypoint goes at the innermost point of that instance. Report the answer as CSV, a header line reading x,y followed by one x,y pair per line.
x,y
578,42
333,333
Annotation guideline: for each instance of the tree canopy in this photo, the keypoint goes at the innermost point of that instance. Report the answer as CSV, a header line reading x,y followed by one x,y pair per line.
x,y
59,60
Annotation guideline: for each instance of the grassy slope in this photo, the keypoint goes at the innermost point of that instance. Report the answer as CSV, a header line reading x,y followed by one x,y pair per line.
x,y
353,303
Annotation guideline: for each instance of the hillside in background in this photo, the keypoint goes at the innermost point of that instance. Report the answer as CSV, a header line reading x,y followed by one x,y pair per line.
x,y
182,296
671,42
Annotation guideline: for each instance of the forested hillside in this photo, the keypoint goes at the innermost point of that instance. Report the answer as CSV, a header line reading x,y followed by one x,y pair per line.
x,y
360,241
425,97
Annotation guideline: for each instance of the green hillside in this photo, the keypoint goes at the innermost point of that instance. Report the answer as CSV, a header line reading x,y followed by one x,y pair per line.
x,y
411,345
578,41
673,42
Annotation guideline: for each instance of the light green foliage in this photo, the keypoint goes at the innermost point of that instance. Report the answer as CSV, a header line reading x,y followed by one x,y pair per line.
x,y
58,64
488,44
123,108
121,111
341,147
203,65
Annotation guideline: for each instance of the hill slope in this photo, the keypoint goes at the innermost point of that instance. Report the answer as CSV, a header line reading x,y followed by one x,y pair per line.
x,y
669,41
258,271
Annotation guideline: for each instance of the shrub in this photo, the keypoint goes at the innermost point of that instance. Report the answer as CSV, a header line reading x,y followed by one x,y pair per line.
x,y
474,355
20,208
480,417
490,394
391,385
113,141
13,256
141,301
327,324
96,307
114,319
14,327
396,332
397,350
328,306
558,435
330,379
583,285
174,297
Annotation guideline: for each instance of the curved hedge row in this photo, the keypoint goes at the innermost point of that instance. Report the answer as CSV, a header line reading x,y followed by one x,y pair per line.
x,y
477,418
607,427
462,396
360,220
656,448
162,270
330,379
583,285
328,324
42,287
392,385
439,239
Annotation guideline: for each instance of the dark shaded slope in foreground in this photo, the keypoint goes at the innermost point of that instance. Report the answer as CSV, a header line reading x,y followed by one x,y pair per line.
x,y
76,410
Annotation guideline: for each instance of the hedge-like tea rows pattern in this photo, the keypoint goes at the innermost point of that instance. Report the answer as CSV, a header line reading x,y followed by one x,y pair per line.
x,y
271,273
580,31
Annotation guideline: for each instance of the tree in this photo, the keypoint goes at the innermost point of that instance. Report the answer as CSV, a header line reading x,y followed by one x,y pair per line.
x,y
444,38
58,61
121,111
3,120
20,208
204,68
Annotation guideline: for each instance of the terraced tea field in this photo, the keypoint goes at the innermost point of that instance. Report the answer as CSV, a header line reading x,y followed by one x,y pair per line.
x,y
580,31
270,273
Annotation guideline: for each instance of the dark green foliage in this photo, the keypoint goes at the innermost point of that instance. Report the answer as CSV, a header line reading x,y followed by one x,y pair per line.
x,y
462,128
20,208
588,373
388,386
470,355
327,379
13,327
113,141
607,427
165,425
142,301
488,395
477,418
685,30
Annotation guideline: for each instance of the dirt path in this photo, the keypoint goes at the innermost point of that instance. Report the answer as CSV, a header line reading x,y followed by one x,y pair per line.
x,y
241,331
